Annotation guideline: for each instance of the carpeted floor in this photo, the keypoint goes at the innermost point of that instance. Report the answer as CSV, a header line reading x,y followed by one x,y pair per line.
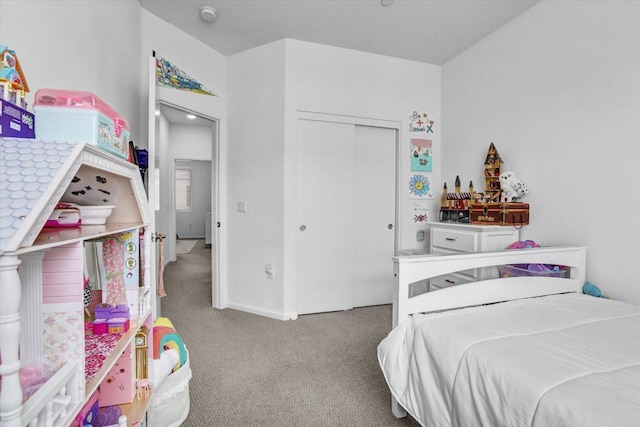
x,y
248,370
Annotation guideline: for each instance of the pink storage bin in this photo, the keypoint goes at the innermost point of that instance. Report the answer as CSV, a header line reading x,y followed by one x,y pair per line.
x,y
78,116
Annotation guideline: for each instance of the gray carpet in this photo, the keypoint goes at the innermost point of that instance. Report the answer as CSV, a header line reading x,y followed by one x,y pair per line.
x,y
248,370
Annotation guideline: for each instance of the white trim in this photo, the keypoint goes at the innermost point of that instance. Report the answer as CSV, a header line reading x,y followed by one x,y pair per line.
x,y
354,120
218,205
261,312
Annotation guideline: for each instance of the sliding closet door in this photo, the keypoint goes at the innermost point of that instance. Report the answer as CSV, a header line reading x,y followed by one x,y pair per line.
x,y
374,215
346,215
325,202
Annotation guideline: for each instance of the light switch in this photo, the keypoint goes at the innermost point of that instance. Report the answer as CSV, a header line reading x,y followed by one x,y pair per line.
x,y
242,207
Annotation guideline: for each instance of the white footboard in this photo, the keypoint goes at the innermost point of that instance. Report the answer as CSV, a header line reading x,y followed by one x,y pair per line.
x,y
411,269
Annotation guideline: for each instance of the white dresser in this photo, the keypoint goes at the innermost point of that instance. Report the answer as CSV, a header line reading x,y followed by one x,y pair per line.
x,y
451,238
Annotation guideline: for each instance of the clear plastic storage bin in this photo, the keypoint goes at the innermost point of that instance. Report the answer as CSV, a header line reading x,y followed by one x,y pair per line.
x,y
533,270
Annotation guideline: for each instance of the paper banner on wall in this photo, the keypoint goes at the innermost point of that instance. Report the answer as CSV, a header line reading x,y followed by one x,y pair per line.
x,y
419,187
421,155
421,123
168,75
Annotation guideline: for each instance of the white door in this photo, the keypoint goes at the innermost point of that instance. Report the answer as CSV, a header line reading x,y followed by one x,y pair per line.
x,y
345,205
374,212
325,153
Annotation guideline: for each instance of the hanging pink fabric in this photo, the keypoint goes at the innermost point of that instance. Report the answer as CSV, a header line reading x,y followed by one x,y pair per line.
x,y
161,292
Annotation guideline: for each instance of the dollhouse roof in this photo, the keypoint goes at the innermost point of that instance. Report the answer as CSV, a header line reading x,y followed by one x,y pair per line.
x,y
12,73
34,175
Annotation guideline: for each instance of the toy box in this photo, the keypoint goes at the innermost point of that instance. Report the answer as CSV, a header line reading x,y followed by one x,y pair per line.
x,y
78,116
15,121
513,214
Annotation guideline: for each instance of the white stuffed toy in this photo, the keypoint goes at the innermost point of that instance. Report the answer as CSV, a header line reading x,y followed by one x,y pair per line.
x,y
512,187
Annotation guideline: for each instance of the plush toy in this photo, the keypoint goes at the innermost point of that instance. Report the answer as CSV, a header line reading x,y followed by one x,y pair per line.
x,y
512,187
591,289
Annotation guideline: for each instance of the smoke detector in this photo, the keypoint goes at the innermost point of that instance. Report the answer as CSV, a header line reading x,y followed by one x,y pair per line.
x,y
208,14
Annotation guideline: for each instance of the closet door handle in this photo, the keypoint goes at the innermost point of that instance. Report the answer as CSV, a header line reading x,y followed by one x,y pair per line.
x,y
390,226
303,227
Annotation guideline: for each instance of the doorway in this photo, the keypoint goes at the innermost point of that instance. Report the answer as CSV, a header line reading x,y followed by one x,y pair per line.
x,y
187,141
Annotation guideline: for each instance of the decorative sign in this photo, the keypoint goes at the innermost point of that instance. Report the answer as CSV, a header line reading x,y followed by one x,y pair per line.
x,y
169,75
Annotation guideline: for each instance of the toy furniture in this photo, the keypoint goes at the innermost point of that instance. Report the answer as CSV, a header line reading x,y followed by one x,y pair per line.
x,y
466,355
41,281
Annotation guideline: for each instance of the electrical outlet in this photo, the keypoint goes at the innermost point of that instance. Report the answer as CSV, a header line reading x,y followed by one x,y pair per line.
x,y
242,207
268,269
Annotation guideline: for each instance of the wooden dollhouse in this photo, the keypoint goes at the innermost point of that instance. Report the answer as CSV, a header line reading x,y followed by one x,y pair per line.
x,y
492,171
47,376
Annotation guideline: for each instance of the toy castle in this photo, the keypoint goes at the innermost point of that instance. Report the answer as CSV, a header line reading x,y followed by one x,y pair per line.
x,y
455,206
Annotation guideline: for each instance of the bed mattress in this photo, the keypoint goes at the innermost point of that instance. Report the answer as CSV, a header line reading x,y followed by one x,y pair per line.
x,y
568,359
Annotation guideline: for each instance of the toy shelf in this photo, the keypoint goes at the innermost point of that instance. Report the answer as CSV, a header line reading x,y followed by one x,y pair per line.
x,y
136,410
52,237
95,381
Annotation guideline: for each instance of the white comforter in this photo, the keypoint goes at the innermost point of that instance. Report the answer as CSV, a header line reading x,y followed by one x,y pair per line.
x,y
561,360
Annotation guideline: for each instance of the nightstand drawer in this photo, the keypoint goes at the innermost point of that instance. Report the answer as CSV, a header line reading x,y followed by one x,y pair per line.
x,y
455,240
448,280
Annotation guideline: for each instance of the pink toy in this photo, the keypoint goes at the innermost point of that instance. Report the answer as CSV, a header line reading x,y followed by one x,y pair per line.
x,y
113,320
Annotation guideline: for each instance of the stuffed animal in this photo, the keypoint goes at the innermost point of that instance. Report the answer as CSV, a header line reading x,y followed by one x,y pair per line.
x,y
512,187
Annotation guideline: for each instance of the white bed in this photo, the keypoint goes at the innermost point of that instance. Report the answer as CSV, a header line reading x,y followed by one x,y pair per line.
x,y
520,351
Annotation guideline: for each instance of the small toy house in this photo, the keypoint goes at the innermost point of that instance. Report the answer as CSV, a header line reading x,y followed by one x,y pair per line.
x,y
13,85
492,171
455,206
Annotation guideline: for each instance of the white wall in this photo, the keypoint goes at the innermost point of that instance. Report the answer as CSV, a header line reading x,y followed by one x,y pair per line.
x,y
79,45
325,79
558,91
191,224
255,175
268,85
210,68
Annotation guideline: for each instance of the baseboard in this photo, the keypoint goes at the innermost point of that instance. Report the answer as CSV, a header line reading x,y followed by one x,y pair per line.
x,y
260,312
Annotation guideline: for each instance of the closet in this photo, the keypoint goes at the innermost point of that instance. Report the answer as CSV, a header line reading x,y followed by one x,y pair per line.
x,y
346,207
42,321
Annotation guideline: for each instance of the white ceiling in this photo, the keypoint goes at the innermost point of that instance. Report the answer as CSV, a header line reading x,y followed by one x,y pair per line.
x,y
431,31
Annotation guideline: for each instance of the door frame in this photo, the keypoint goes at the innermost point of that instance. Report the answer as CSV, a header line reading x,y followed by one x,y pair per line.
x,y
216,244
290,308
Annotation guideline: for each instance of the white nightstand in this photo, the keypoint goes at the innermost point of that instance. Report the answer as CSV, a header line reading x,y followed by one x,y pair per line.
x,y
451,238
